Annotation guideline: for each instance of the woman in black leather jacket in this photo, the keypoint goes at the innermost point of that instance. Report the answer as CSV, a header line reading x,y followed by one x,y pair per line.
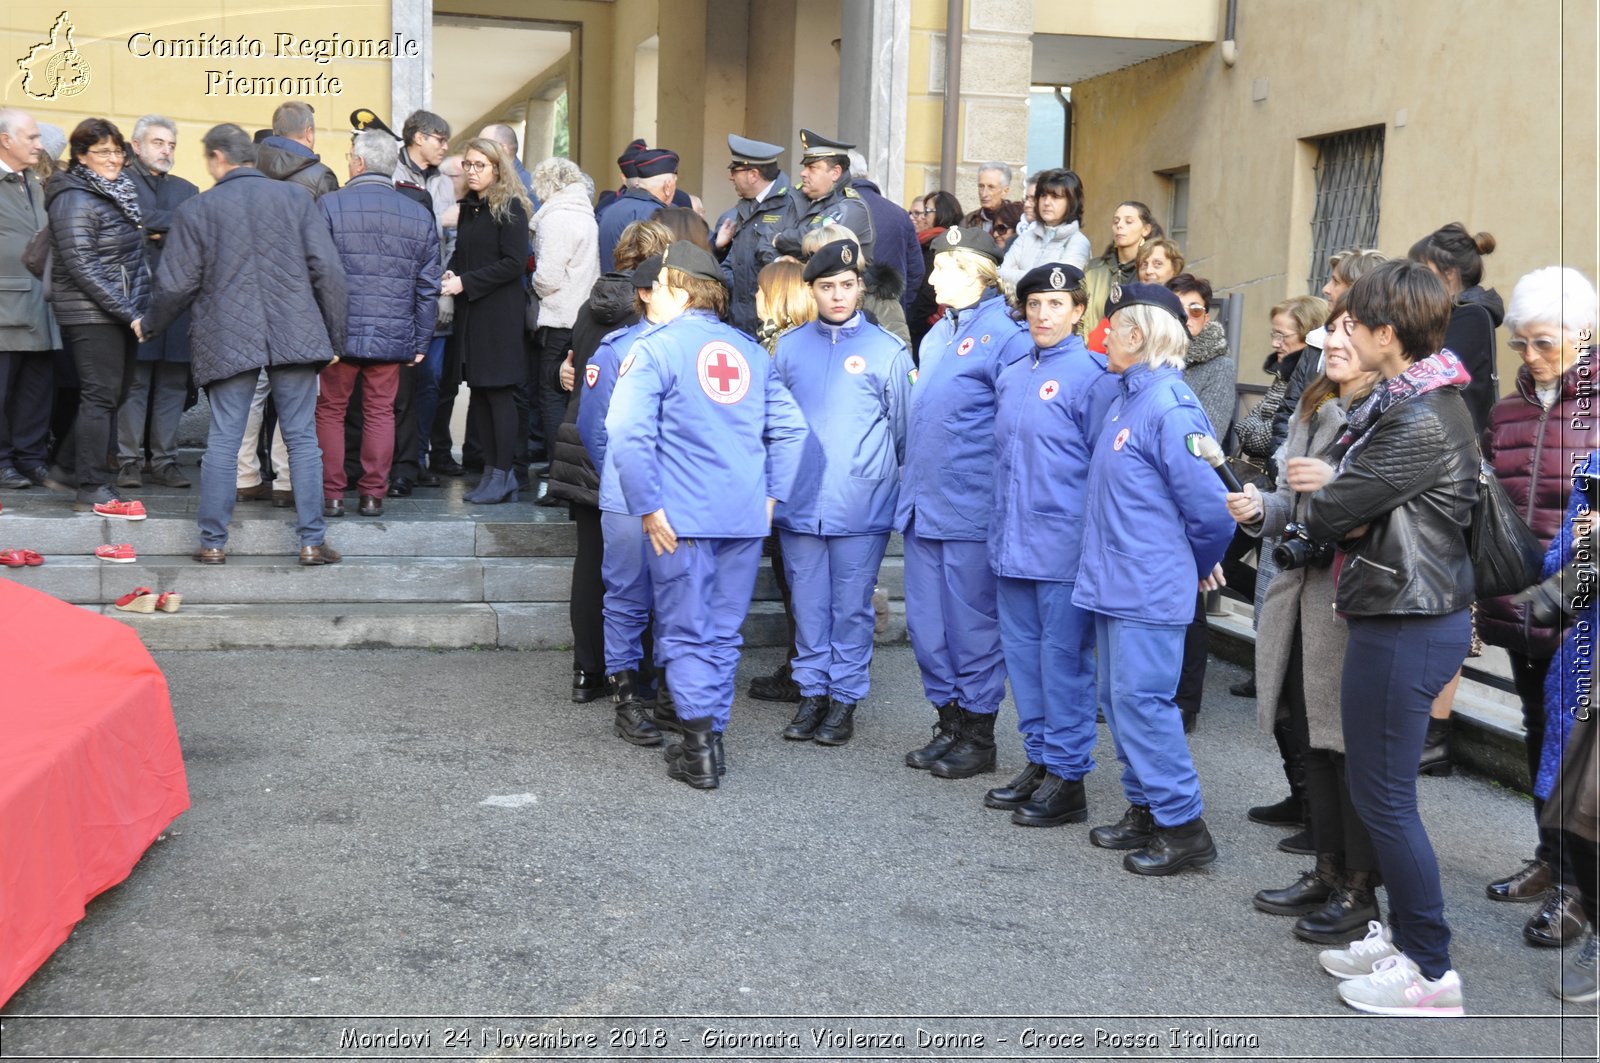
x,y
1399,505
99,287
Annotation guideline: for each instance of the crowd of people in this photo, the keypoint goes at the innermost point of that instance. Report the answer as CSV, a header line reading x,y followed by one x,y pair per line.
x,y
1053,434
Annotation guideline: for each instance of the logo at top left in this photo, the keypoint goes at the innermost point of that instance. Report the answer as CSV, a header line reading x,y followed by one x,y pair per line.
x,y
55,69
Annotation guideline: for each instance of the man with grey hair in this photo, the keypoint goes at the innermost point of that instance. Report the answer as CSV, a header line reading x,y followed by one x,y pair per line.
x,y
506,137
994,182
28,329
389,247
254,260
289,154
150,413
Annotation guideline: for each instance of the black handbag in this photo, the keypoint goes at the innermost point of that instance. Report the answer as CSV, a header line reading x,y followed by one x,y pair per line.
x,y
1506,556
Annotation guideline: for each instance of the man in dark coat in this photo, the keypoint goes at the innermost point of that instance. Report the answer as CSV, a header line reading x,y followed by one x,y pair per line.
x,y
29,332
161,376
897,245
826,195
289,154
254,259
658,180
745,233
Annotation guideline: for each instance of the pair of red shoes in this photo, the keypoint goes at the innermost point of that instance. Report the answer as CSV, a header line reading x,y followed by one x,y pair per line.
x,y
145,600
19,558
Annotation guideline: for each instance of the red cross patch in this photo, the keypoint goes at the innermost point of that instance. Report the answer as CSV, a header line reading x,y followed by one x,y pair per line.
x,y
855,364
724,374
1122,438
966,346
1049,390
591,374
627,364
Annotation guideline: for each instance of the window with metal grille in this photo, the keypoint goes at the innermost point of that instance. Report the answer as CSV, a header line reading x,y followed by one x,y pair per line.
x,y
1178,207
1349,179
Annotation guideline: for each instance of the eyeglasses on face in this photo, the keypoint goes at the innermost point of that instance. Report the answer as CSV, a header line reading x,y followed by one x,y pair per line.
x,y
440,137
919,213
107,153
1195,310
475,167
1542,345
1283,337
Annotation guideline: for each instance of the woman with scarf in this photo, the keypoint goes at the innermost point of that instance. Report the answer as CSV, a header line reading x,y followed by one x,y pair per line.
x,y
99,288
1398,506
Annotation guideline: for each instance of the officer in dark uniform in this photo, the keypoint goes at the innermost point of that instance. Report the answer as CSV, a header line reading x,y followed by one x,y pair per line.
x,y
745,234
826,195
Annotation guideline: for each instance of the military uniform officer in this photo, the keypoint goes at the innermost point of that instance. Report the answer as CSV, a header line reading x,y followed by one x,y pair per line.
x,y
705,440
745,234
826,195
852,382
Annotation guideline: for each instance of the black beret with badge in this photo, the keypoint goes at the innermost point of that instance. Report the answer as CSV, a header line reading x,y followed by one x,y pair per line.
x,y
689,258
1156,295
1050,277
975,240
840,256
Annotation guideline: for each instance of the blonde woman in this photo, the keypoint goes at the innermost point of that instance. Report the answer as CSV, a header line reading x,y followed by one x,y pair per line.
x,y
881,286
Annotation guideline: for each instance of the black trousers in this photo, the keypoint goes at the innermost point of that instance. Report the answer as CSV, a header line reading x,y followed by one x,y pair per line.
x,y
104,355
547,401
1528,675
774,546
497,421
406,444
1579,853
1196,647
1335,826
439,444
587,610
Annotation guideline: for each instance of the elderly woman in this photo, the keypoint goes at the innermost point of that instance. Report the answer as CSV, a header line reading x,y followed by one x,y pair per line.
x,y
1156,526
1159,261
1537,435
486,271
946,502
1299,656
1405,585
1047,409
100,288
567,263
1055,235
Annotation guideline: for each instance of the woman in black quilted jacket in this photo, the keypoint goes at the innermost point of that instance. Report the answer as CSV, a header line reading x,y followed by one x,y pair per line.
x,y
99,287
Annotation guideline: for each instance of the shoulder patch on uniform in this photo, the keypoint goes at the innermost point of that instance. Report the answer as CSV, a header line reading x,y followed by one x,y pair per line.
x,y
591,374
850,193
911,375
627,363
723,372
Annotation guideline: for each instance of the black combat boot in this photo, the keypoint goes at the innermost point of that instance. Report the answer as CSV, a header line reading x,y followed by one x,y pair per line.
x,y
1055,802
633,723
1015,793
1351,907
1291,811
1173,849
694,760
944,736
1133,831
839,725
973,752
664,713
807,718
1307,893
775,687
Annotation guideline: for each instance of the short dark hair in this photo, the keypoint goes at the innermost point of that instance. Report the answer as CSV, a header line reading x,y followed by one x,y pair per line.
x,y
419,122
1409,298
1188,282
1063,183
947,213
768,170
1452,249
92,131
685,224
234,144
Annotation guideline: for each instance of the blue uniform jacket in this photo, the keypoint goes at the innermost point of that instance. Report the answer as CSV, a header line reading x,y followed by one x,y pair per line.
x,y
633,205
701,426
948,483
853,384
599,381
1156,517
1048,409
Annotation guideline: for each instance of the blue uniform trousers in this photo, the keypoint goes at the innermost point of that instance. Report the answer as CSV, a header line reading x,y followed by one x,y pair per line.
x,y
626,608
952,620
702,592
1049,650
1139,667
831,579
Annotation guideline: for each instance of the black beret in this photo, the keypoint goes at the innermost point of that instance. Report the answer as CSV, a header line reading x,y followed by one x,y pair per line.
x,y
841,256
692,259
1050,277
625,161
653,162
646,272
1145,295
975,240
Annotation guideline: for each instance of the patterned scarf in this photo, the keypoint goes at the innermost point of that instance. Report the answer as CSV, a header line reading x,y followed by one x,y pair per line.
x,y
120,191
1442,370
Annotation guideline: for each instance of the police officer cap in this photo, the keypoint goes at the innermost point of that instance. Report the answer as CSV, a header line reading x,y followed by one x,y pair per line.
x,y
1145,295
653,162
363,119
817,146
841,256
975,240
646,272
1050,277
747,152
691,259
625,161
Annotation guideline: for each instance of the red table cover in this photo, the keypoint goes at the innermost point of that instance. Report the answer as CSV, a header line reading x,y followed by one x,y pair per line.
x,y
90,770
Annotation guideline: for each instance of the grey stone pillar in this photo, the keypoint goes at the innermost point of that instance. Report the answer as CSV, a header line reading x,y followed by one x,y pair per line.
x,y
411,80
874,52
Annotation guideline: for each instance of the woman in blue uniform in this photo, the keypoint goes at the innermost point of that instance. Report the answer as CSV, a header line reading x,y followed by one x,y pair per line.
x,y
1156,525
852,382
705,440
946,498
1048,408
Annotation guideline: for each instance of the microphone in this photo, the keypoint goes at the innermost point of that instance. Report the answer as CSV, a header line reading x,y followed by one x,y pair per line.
x,y
1207,450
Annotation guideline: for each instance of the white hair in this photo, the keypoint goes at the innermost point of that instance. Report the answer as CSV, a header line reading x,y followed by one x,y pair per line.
x,y
11,118
554,174
1554,295
1165,342
858,166
997,167
657,185
377,150
144,125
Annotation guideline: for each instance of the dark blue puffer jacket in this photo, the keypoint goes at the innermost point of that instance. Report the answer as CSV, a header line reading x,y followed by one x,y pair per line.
x,y
389,248
99,273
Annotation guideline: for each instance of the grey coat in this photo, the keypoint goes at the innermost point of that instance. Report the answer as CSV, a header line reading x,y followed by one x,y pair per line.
x,y
26,321
1303,594
1213,375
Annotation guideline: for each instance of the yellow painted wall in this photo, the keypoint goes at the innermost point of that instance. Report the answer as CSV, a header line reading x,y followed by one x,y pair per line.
x,y
1172,20
122,86
1468,92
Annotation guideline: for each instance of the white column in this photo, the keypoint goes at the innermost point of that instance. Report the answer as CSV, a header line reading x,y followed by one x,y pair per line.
x,y
411,80
874,55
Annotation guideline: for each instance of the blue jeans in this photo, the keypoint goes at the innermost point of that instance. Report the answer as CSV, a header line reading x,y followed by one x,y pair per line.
x,y
425,401
294,390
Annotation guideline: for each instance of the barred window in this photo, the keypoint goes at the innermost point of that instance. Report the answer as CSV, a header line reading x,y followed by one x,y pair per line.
x,y
1349,178
1178,207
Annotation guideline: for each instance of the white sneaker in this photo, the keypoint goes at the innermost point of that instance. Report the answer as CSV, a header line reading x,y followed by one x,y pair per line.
x,y
1358,960
1396,987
